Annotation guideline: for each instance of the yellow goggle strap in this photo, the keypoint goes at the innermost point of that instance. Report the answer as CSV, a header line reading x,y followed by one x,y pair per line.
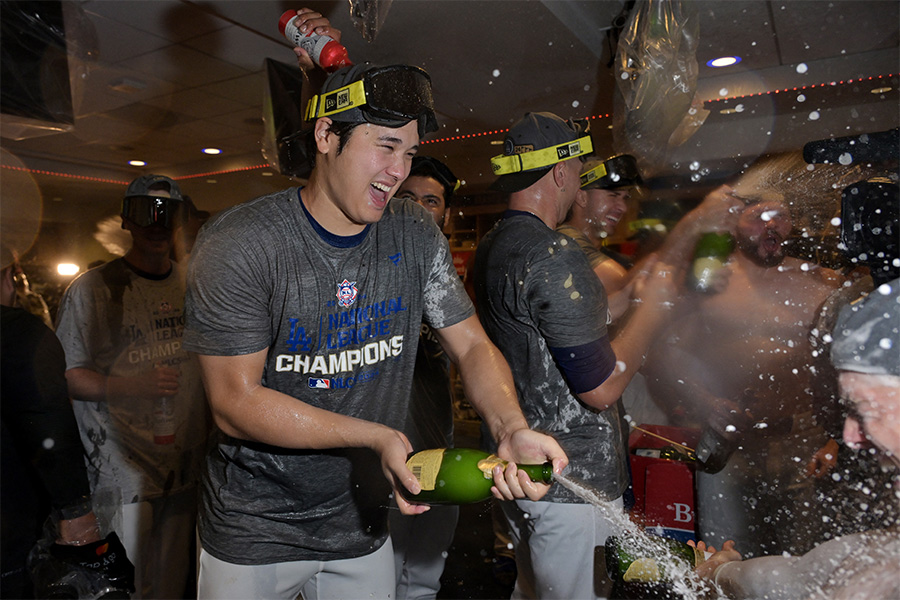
x,y
544,157
341,99
594,174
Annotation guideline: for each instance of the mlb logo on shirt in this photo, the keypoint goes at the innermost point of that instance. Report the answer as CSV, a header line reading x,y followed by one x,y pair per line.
x,y
319,384
346,293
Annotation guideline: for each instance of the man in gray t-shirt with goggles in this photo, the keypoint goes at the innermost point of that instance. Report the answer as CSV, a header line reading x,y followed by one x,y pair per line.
x,y
305,307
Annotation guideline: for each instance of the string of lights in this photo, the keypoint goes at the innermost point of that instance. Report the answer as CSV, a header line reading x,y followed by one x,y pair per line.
x,y
468,135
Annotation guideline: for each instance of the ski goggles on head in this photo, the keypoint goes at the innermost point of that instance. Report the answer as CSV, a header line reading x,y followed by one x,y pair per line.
x,y
145,211
505,164
389,96
614,172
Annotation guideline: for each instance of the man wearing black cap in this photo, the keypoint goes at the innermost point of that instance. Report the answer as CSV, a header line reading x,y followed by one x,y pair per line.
x,y
601,203
860,565
421,541
431,184
138,395
305,308
546,310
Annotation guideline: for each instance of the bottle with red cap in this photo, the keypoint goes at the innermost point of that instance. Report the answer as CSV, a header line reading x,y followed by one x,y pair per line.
x,y
324,51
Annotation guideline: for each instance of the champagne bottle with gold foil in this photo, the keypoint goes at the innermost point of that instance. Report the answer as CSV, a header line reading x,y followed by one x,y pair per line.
x,y
460,475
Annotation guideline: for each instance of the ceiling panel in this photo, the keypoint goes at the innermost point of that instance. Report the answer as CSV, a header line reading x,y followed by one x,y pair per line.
x,y
168,19
816,30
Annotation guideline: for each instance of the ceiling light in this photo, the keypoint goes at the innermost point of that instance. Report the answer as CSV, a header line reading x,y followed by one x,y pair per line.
x,y
67,269
137,163
723,61
212,151
728,111
267,173
496,142
881,90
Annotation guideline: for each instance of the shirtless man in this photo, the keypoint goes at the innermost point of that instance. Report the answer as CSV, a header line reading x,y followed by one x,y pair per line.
x,y
861,565
738,364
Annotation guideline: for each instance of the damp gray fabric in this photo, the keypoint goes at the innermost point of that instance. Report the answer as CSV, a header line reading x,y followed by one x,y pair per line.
x,y
867,334
261,277
535,287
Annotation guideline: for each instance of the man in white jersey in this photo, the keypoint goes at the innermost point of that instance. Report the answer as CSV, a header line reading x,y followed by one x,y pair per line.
x,y
121,326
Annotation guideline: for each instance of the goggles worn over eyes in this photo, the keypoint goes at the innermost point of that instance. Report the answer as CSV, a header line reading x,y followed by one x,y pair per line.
x,y
389,96
614,172
144,211
504,164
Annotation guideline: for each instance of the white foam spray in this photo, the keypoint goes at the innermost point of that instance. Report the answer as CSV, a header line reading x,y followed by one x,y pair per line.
x,y
685,582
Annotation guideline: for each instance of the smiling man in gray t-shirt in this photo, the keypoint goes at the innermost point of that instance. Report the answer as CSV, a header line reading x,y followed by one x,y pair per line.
x,y
304,307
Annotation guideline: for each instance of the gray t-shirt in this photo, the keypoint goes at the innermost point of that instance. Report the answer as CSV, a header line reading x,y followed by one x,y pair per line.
x,y
340,318
536,290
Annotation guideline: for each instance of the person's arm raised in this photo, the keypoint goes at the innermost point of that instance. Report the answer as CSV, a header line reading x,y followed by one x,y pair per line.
x,y
307,20
633,339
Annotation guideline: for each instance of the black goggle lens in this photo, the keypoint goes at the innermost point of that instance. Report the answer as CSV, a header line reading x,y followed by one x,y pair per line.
x,y
145,211
624,168
400,91
620,171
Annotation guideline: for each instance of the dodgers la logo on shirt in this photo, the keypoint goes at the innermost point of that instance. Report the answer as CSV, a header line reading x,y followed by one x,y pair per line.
x,y
346,293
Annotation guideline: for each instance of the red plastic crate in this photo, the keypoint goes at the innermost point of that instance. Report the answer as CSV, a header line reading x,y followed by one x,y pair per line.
x,y
663,489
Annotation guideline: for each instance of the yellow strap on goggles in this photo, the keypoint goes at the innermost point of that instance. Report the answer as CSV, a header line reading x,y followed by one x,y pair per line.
x,y
341,99
545,157
594,174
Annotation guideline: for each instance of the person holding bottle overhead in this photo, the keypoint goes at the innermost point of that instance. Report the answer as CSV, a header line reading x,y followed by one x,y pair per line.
x,y
304,307
546,310
736,365
137,393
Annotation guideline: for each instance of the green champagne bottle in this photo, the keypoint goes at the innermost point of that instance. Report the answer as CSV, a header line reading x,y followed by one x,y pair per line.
x,y
631,560
460,475
710,254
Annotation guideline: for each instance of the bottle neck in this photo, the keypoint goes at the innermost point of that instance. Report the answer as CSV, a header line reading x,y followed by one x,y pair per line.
x,y
538,473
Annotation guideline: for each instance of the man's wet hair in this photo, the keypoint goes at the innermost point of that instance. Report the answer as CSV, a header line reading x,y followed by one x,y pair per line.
x,y
423,166
341,129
